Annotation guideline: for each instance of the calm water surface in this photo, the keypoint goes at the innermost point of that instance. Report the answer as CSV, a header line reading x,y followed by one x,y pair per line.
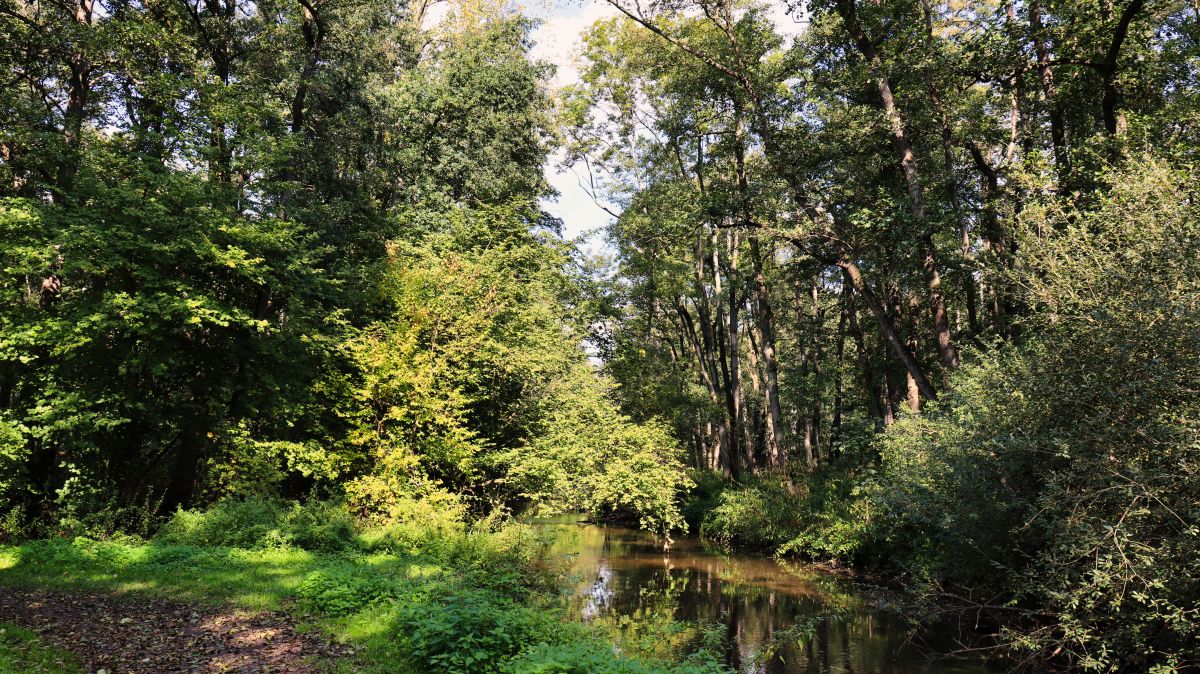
x,y
777,619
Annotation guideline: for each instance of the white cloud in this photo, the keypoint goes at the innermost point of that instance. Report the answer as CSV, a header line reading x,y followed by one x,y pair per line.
x,y
558,38
557,41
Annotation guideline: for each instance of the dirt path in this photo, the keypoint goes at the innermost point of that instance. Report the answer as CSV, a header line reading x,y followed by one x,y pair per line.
x,y
136,635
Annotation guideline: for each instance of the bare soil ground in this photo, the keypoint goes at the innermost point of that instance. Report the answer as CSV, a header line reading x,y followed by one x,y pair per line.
x,y
128,634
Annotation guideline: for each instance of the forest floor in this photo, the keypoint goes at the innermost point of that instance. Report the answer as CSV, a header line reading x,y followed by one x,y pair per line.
x,y
136,634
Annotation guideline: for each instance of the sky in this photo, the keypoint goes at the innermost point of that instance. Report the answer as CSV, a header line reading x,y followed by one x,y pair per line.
x,y
557,41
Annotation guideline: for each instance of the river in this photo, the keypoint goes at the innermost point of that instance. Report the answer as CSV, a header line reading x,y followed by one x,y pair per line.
x,y
774,618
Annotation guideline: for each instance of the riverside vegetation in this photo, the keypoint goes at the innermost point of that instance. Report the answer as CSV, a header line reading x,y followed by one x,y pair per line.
x,y
913,286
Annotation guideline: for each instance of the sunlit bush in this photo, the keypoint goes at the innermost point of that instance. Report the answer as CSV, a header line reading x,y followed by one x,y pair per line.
x,y
256,522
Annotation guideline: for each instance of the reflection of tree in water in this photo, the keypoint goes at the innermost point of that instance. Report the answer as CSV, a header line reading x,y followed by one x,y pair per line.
x,y
776,618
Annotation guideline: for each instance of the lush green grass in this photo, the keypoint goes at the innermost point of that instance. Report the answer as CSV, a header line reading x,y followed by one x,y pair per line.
x,y
21,652
479,603
351,597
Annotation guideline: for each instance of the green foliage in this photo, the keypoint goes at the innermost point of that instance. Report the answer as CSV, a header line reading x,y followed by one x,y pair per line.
x,y
1059,473
251,523
1062,472
468,631
414,524
588,657
703,497
815,516
338,590
761,515
22,653
588,456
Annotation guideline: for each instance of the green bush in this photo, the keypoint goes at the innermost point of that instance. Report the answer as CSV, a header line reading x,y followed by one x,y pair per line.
x,y
253,523
588,456
320,526
761,514
589,657
702,498
1062,474
817,515
418,525
468,631
348,589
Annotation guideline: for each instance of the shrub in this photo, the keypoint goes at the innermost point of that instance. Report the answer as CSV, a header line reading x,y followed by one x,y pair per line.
x,y
702,498
418,525
1062,474
259,523
819,516
348,589
587,455
469,631
589,657
761,514
320,526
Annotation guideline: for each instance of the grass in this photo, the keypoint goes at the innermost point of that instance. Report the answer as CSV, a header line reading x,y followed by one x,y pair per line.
x,y
251,579
21,652
401,613
266,579
420,595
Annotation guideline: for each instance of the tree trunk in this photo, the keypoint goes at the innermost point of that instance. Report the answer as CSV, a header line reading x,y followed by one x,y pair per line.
x,y
870,386
1108,70
912,178
950,181
890,334
775,443
1058,133
835,426
815,359
78,91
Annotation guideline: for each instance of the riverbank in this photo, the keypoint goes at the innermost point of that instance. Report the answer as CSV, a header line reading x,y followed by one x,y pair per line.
x,y
761,613
418,597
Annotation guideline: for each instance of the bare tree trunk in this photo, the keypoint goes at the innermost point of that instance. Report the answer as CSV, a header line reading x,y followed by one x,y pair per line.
x,y
890,334
775,443
1108,69
1058,132
835,426
951,183
870,386
737,397
313,30
78,92
914,393
725,330
702,349
912,178
815,359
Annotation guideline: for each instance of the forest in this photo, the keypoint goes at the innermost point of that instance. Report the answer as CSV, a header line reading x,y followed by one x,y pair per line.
x,y
901,292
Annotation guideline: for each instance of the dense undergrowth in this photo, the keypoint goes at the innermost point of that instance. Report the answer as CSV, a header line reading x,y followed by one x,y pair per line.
x,y
435,595
1054,491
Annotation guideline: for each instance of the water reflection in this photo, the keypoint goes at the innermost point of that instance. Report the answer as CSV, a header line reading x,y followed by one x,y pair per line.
x,y
776,619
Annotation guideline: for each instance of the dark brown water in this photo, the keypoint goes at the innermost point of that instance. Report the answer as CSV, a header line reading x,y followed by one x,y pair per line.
x,y
775,618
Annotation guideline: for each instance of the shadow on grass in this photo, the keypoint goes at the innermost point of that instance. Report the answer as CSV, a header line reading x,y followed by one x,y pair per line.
x,y
250,579
253,580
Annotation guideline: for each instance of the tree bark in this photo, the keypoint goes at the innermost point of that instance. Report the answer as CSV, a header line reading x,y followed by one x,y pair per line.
x,y
78,92
892,336
870,385
912,178
1058,132
775,443
950,181
1109,70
